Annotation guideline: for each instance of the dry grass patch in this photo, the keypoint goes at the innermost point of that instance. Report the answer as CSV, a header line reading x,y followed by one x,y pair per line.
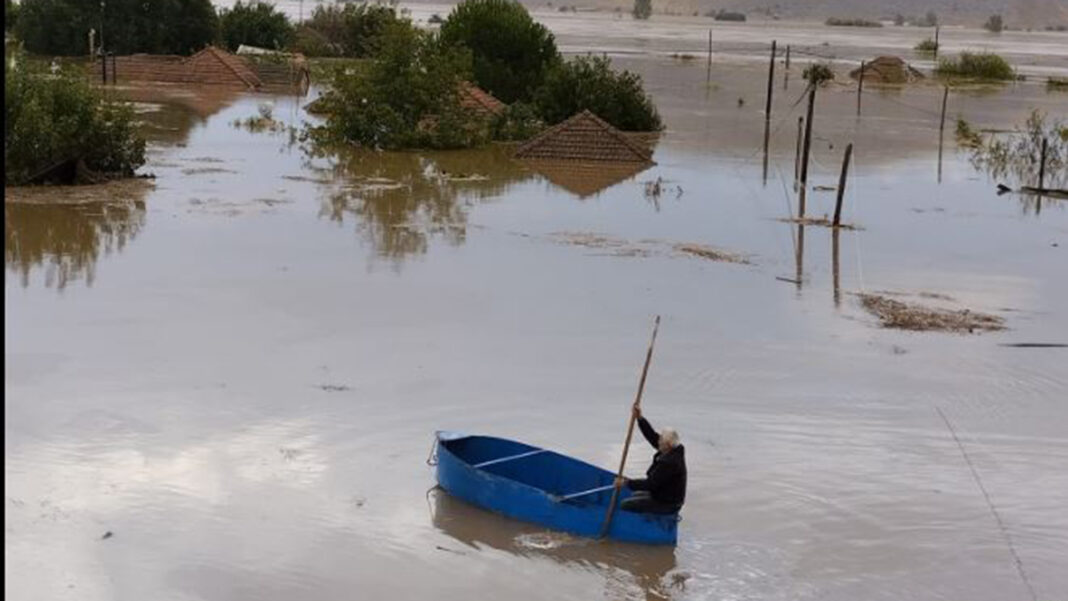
x,y
918,318
712,254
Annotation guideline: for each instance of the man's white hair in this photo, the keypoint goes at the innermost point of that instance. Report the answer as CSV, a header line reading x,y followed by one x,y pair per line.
x,y
669,437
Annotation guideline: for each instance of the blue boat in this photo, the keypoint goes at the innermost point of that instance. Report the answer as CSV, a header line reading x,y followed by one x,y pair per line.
x,y
535,485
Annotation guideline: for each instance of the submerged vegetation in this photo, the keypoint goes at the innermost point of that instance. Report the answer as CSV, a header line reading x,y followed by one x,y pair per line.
x,y
54,117
1016,156
410,94
643,9
928,46
836,22
1057,83
254,23
818,73
352,30
976,65
589,83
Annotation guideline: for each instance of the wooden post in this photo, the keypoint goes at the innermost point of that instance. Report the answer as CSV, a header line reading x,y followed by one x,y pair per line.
x,y
834,269
797,153
860,86
842,185
1042,166
788,56
941,130
806,149
709,50
799,257
767,109
936,42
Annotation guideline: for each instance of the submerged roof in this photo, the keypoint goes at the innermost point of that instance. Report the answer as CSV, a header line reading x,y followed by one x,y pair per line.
x,y
584,137
212,66
482,102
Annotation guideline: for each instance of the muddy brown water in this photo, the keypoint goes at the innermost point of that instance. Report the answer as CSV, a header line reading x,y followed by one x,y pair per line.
x,y
237,371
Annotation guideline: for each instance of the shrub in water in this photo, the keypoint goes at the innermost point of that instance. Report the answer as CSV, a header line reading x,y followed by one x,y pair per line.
x,y
643,9
818,73
352,30
255,24
983,65
51,117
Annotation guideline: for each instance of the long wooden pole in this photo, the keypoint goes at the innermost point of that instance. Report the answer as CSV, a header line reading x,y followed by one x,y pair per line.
x,y
767,109
630,432
860,85
841,185
941,130
805,149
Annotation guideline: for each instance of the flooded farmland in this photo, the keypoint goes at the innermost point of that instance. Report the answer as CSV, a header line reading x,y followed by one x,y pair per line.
x,y
223,383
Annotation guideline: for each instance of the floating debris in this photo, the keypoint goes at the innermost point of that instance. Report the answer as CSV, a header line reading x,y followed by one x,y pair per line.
x,y
712,254
107,535
904,316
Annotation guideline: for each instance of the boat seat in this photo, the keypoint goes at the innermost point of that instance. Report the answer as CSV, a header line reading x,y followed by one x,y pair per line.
x,y
508,458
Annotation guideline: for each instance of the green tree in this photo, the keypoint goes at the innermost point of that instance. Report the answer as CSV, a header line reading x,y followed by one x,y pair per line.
x,y
255,24
408,98
53,117
61,27
643,9
511,52
351,30
994,24
589,83
11,15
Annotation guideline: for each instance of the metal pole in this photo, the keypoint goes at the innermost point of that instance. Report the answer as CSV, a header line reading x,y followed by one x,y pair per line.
x,y
842,185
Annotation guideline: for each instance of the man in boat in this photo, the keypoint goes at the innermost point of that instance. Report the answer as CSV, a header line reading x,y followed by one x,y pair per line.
x,y
663,490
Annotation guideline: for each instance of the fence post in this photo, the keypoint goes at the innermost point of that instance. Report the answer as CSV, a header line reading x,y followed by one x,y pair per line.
x,y
806,149
941,129
1042,166
767,109
842,185
937,28
797,153
860,86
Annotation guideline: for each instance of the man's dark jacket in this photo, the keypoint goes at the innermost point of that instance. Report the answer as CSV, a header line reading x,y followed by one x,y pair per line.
x,y
666,477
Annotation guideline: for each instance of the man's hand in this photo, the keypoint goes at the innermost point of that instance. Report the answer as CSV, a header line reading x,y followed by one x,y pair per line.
x,y
637,411
620,481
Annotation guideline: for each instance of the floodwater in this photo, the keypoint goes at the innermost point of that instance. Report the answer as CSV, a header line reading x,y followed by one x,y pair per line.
x,y
223,383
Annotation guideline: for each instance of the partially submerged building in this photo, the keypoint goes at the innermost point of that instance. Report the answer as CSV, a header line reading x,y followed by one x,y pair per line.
x,y
887,69
585,155
214,67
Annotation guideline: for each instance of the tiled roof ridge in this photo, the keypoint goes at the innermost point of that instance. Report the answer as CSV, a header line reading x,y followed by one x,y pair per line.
x,y
219,56
585,114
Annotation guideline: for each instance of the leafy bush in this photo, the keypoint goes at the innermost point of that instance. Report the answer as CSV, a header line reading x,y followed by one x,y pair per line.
x,y
724,15
643,9
408,97
994,24
517,121
927,46
836,22
818,73
1057,83
11,15
61,27
511,52
1017,155
255,24
589,83
982,65
54,117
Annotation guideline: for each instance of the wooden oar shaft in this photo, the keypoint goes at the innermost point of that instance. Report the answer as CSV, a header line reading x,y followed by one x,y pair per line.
x,y
630,431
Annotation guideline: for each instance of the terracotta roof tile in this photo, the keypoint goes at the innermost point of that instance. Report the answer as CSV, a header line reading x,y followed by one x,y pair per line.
x,y
584,137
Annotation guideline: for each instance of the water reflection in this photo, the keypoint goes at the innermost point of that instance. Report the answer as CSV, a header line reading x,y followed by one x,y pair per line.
x,y
168,114
62,231
649,569
402,200
585,179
